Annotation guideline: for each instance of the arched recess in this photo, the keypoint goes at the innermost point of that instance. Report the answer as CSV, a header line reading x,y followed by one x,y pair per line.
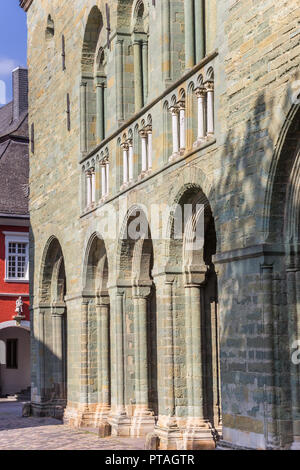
x,y
93,83
101,94
282,209
53,326
133,27
192,244
135,263
95,281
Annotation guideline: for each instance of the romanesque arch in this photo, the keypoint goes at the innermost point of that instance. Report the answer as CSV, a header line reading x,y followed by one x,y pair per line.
x,y
192,244
93,84
52,328
136,292
96,295
282,236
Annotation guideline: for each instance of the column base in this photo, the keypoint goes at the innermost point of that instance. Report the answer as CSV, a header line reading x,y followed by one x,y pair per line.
x,y
120,425
101,421
199,436
142,423
192,436
48,409
164,438
174,156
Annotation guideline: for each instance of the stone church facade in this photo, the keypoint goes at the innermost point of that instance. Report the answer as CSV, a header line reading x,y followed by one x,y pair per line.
x,y
139,111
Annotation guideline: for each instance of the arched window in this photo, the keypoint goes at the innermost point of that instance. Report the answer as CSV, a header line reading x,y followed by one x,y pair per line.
x,y
140,55
101,95
93,82
49,28
200,29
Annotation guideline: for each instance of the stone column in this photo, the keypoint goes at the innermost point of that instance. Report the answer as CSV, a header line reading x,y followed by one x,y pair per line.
x,y
118,419
270,411
107,175
103,180
84,374
120,79
182,125
167,435
145,70
150,148
166,41
291,279
200,93
143,421
93,186
138,79
210,108
83,117
88,189
194,320
125,149
58,312
216,365
130,159
100,111
199,30
198,433
143,135
174,111
189,33
102,309
189,353
41,354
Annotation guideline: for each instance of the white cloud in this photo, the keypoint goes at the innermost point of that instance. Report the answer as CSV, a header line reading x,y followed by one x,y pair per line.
x,y
7,66
2,92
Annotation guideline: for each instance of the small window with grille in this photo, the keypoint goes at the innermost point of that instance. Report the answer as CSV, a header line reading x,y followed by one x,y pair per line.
x,y
17,254
11,353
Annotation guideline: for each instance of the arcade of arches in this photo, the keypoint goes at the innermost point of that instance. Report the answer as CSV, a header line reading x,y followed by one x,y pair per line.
x,y
186,103
150,336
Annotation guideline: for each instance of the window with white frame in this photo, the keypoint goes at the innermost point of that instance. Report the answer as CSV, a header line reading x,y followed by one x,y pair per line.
x,y
16,256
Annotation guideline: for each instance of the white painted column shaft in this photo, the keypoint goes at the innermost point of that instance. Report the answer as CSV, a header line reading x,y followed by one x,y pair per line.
x,y
150,149
182,127
210,108
175,130
130,160
201,113
88,189
103,180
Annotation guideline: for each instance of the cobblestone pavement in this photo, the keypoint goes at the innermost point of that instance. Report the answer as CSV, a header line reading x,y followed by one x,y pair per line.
x,y
17,433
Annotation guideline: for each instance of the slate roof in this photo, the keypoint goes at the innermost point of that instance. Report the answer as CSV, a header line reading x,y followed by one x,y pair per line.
x,y
14,162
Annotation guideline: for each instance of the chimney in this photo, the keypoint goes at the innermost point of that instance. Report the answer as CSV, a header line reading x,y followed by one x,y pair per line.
x,y
20,92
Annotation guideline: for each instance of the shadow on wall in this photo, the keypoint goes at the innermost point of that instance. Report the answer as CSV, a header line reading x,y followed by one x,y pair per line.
x,y
257,316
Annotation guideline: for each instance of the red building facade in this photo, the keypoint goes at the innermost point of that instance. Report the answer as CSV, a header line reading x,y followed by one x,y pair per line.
x,y
14,241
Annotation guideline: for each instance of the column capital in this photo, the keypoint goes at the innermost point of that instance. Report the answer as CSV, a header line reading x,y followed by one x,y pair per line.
x,y
129,142
143,133
181,104
174,109
148,129
200,92
124,145
83,84
100,84
209,85
141,292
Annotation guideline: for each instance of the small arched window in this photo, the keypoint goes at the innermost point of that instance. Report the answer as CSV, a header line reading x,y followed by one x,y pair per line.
x,y
140,53
50,30
101,98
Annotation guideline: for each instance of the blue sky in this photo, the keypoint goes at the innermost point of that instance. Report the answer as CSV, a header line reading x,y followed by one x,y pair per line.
x,y
13,42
